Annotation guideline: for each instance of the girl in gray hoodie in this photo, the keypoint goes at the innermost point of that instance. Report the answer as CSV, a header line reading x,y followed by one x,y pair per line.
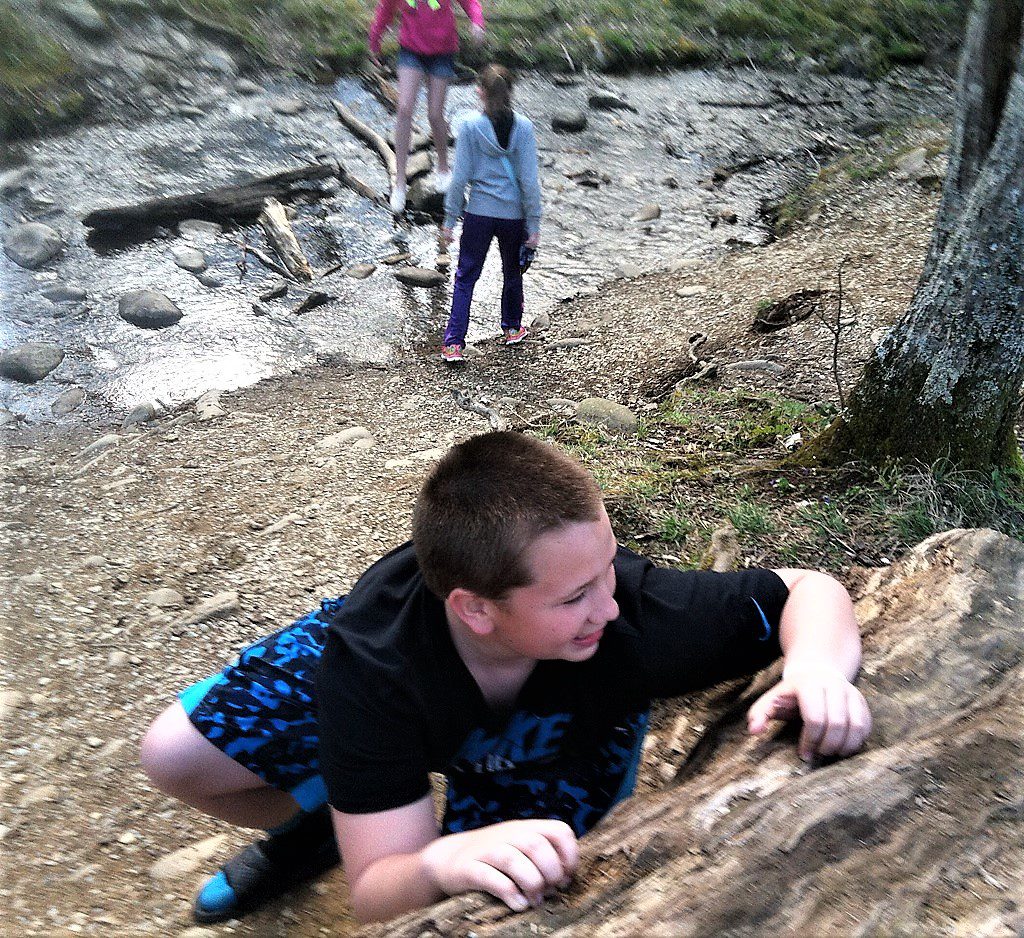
x,y
496,156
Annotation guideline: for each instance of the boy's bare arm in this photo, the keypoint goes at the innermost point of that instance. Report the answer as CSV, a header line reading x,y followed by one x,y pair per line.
x,y
395,860
821,644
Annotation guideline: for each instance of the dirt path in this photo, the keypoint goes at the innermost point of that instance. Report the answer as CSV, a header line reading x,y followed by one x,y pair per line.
x,y
111,555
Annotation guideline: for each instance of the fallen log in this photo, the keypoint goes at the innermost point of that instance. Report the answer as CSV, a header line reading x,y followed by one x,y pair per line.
x,y
282,239
923,833
224,204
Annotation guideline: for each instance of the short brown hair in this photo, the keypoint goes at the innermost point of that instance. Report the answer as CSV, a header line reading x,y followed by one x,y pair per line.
x,y
486,501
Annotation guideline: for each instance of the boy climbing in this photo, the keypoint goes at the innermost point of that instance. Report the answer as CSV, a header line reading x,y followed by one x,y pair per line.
x,y
511,645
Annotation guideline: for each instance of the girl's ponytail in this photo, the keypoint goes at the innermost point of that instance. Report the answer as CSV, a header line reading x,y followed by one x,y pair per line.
x,y
496,82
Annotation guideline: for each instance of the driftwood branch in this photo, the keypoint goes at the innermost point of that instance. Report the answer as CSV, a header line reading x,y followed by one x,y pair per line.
x,y
368,135
282,239
466,402
224,204
418,164
358,186
265,260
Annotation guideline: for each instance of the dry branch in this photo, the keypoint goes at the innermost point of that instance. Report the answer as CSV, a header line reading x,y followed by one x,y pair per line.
x,y
368,135
282,238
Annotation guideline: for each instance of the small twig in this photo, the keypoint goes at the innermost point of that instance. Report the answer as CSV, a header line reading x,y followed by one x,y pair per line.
x,y
268,262
465,402
568,58
242,264
333,269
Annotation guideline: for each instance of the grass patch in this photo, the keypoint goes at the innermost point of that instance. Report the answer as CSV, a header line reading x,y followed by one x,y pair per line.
x,y
862,164
612,34
36,86
708,459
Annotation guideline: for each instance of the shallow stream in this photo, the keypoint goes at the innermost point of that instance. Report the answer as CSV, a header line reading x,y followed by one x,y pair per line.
x,y
209,133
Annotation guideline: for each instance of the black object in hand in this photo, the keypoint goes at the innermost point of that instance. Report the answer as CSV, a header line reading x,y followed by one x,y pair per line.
x,y
526,256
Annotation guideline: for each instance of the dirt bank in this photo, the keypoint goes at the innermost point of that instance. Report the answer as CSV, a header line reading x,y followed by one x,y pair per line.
x,y
113,552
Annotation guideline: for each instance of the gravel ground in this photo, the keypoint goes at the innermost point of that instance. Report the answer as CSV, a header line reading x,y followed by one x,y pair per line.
x,y
139,561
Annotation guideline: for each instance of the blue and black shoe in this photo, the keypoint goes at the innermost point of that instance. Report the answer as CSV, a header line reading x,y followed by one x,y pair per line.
x,y
267,869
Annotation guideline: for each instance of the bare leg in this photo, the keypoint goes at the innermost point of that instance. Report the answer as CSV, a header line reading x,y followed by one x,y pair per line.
x,y
408,89
437,92
181,762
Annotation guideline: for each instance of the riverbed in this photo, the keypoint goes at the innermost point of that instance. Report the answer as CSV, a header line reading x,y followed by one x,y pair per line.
x,y
761,132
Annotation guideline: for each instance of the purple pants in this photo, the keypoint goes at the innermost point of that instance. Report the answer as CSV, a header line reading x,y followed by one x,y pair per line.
x,y
477,232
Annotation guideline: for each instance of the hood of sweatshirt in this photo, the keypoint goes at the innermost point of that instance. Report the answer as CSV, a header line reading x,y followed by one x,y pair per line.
x,y
481,126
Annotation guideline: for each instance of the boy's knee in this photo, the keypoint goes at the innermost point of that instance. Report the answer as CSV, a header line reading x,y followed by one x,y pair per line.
x,y
164,753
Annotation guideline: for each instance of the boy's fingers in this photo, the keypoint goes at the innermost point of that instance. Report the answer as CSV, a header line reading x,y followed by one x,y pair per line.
x,y
837,721
483,876
563,838
860,724
812,709
517,866
543,855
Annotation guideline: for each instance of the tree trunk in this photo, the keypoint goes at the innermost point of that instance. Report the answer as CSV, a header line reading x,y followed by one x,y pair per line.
x,y
945,382
923,833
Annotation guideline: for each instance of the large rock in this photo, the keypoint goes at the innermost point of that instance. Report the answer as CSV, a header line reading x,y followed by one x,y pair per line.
x,y
30,362
148,309
568,122
419,276
607,414
32,244
81,14
606,101
921,834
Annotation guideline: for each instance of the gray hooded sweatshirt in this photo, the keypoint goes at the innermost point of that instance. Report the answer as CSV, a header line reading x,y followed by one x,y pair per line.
x,y
478,164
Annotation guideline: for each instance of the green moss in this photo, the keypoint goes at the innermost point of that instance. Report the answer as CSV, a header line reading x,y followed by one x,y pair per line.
x,y
36,77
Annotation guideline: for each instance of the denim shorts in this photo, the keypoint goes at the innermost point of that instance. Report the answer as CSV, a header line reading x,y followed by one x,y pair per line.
x,y
436,66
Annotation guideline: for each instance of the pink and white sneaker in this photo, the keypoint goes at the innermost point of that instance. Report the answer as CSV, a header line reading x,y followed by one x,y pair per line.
x,y
452,354
515,336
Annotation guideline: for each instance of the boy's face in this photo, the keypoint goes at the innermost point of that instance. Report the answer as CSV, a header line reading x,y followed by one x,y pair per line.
x,y
563,612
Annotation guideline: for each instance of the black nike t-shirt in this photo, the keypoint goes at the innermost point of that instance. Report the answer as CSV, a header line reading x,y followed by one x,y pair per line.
x,y
396,701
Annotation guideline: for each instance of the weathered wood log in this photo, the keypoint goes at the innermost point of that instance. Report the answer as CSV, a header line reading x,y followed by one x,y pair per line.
x,y
225,204
282,239
923,833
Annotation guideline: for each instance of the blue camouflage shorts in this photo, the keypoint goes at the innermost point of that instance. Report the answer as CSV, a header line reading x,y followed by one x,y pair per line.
x,y
261,710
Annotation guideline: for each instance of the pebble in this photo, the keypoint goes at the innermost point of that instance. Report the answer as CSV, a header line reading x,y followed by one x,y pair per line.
x,y
694,290
220,604
128,837
108,441
165,598
187,859
117,659
10,700
39,795
351,435
94,742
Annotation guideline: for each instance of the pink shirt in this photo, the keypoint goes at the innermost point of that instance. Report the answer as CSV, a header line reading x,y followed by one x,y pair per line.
x,y
423,30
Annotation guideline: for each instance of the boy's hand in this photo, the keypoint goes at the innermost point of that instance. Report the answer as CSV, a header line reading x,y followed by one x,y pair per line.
x,y
477,33
519,862
835,714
